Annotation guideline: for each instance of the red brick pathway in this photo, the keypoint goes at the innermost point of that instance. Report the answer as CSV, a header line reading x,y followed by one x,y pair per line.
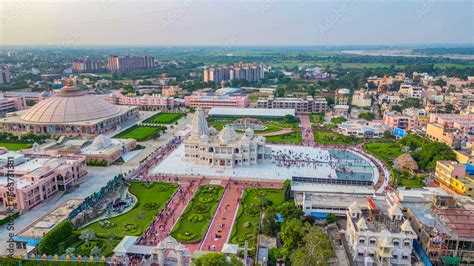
x,y
221,225
306,131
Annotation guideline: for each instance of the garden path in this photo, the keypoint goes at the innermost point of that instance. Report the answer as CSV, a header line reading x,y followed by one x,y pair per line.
x,y
306,130
221,225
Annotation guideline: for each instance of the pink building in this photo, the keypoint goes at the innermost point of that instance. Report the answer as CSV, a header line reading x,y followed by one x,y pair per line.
x,y
12,104
171,91
37,178
400,121
145,101
209,100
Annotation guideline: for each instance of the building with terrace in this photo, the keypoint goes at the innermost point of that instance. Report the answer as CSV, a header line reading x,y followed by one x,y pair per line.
x,y
379,235
224,149
456,130
210,100
302,105
36,178
71,111
154,101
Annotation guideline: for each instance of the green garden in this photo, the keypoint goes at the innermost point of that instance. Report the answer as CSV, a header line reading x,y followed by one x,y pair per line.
x,y
163,118
141,133
193,224
11,146
254,201
101,237
328,137
293,137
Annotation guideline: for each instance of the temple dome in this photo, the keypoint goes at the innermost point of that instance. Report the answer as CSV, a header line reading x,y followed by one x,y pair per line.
x,y
227,135
70,105
101,142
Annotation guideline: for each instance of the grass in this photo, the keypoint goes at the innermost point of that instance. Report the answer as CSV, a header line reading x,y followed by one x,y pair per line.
x,y
164,118
316,118
140,217
385,151
16,262
246,223
141,133
327,137
293,137
193,224
14,146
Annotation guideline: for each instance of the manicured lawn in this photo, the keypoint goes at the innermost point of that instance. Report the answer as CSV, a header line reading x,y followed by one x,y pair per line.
x,y
316,118
327,137
246,223
15,146
151,200
164,118
193,224
411,183
293,137
385,151
141,133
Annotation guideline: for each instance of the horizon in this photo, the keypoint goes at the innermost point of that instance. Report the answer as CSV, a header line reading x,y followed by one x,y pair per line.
x,y
211,23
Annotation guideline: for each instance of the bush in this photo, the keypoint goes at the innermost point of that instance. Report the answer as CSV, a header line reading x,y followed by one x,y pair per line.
x,y
9,218
48,244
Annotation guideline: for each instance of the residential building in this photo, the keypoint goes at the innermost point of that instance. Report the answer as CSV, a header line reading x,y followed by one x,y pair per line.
x,y
394,120
456,130
12,104
341,111
130,63
29,97
453,175
410,91
362,98
342,96
170,91
87,65
303,105
210,100
4,76
379,235
250,72
37,178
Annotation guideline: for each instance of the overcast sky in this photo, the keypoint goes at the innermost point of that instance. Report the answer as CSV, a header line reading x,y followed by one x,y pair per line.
x,y
233,23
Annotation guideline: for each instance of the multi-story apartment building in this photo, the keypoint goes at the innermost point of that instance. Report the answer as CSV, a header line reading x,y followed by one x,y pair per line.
x,y
130,63
170,91
87,65
32,97
144,102
12,104
453,175
399,121
362,98
37,178
300,105
379,235
342,96
4,75
210,100
410,91
250,72
456,130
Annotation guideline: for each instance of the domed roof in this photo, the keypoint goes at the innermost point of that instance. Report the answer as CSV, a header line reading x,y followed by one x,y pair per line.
x,y
249,132
71,105
406,161
101,142
227,135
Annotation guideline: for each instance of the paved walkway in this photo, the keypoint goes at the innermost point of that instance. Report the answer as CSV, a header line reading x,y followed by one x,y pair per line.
x,y
306,130
277,133
222,223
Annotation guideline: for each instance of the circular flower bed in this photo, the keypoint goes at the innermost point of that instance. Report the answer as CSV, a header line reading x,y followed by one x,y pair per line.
x,y
206,198
195,218
130,227
150,206
201,207
251,212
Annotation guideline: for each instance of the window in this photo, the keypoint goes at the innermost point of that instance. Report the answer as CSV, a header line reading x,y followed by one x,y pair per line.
x,y
406,243
405,257
396,243
395,256
372,241
361,241
360,254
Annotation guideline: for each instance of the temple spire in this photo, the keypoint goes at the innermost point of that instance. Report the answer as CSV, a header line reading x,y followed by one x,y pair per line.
x,y
199,125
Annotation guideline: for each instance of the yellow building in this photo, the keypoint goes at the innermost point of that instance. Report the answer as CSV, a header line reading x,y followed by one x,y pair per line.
x,y
452,175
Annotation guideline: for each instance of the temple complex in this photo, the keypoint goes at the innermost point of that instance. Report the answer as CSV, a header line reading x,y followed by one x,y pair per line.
x,y
224,149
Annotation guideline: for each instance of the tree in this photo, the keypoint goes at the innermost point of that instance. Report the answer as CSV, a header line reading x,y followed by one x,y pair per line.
x,y
290,211
280,91
87,236
316,250
50,242
217,259
70,251
410,103
269,224
367,116
331,218
292,232
95,251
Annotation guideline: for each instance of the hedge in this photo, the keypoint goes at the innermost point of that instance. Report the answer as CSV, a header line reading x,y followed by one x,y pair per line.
x,y
49,243
9,218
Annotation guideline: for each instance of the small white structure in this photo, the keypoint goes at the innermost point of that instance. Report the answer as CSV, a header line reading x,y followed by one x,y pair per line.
x,y
362,129
224,149
362,98
379,233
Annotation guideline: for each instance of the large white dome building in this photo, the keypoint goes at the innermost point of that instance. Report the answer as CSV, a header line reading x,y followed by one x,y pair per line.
x,y
70,112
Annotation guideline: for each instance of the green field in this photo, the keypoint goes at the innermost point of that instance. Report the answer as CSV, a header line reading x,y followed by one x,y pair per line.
x,y
11,146
163,118
193,224
151,200
385,151
141,133
293,137
246,223
327,137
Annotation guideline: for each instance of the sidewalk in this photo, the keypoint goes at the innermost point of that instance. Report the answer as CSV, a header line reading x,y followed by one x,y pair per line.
x,y
221,225
306,131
